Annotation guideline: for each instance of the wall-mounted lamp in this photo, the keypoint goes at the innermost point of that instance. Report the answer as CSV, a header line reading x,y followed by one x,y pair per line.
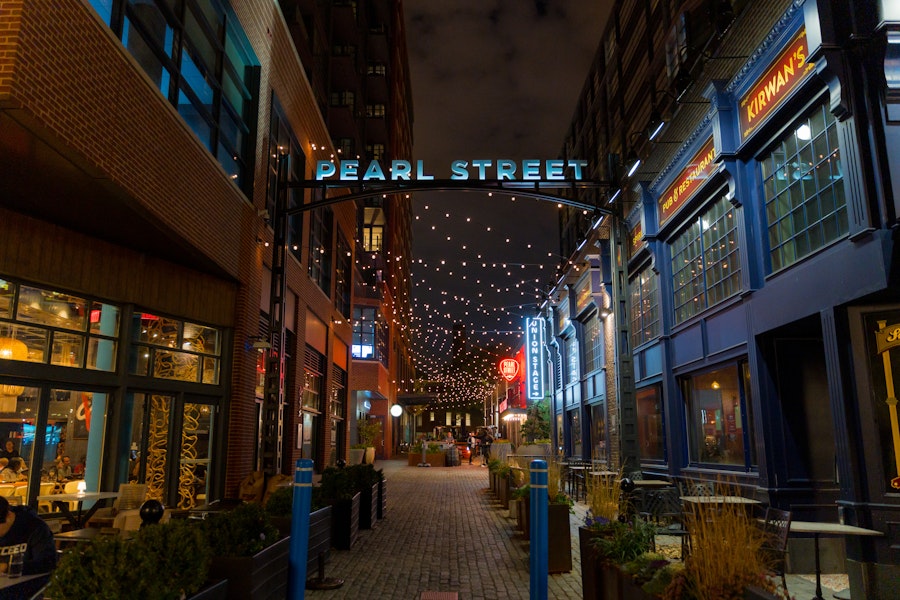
x,y
256,342
632,163
263,214
655,125
603,312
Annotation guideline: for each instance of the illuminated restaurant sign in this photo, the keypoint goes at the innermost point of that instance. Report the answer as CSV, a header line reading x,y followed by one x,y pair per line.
x,y
770,90
635,239
534,357
686,185
509,368
461,170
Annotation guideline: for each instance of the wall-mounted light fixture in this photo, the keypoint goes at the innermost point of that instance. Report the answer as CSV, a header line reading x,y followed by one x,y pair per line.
x,y
256,342
603,312
632,163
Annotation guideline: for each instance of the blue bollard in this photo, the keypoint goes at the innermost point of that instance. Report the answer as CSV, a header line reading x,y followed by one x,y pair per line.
x,y
300,529
539,558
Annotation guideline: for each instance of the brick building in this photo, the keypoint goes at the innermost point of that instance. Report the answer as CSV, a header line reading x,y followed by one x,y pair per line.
x,y
143,299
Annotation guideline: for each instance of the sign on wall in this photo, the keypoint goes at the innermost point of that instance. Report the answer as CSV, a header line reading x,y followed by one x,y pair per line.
x,y
534,357
509,369
782,77
692,177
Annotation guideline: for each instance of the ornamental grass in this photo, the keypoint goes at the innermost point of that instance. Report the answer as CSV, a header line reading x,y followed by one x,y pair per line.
x,y
602,496
725,552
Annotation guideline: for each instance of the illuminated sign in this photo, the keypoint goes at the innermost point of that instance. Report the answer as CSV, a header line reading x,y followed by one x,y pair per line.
x,y
785,74
534,357
461,170
692,177
635,238
509,368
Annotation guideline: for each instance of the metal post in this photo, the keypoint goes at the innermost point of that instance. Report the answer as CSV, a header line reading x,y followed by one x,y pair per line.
x,y
539,557
300,528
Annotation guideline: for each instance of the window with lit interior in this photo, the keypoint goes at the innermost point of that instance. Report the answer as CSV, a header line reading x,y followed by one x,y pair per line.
x,y
803,184
644,290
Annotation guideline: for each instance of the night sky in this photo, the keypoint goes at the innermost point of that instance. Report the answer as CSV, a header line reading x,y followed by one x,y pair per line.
x,y
490,79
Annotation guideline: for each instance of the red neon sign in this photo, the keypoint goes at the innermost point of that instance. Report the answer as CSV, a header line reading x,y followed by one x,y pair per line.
x,y
509,368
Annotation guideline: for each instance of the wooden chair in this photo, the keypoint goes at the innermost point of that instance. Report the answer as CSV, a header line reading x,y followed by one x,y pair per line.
x,y
777,527
131,496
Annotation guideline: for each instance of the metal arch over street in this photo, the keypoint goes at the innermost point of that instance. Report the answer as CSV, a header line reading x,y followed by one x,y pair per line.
x,y
528,189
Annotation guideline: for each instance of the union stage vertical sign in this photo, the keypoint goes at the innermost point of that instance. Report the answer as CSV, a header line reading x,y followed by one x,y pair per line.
x,y
534,357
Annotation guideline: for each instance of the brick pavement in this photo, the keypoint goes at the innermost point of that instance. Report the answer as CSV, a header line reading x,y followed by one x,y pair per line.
x,y
443,532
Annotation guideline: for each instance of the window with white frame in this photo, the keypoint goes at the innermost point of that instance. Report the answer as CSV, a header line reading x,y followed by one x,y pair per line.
x,y
706,264
804,190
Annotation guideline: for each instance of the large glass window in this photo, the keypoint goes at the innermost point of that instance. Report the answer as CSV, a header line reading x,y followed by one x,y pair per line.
x,y
283,146
343,276
369,334
706,264
804,190
47,326
719,417
644,307
172,349
599,450
650,423
593,344
320,234
197,54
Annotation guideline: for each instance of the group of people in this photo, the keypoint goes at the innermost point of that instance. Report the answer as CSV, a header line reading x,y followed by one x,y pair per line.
x,y
480,443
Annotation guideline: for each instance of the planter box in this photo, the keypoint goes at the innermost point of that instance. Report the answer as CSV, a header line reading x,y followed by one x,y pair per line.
x,y
523,516
319,540
503,491
368,507
559,538
598,580
217,590
345,523
258,577
356,456
382,498
435,460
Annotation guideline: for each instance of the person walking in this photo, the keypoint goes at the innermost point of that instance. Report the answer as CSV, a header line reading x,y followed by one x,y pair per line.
x,y
486,447
473,441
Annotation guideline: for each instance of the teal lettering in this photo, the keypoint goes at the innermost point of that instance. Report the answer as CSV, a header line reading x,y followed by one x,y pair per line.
x,y
374,172
420,172
481,165
531,169
506,169
324,169
458,170
348,169
400,169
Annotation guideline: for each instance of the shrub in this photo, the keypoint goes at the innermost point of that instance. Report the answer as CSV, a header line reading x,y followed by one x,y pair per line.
x,y
164,562
243,531
281,502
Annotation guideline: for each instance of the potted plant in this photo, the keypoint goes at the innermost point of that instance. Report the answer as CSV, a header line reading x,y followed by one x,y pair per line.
x,y
434,456
602,497
337,489
520,497
559,506
280,507
357,454
368,430
364,479
167,561
247,551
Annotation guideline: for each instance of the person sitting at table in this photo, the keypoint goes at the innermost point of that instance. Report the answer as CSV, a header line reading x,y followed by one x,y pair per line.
x,y
64,469
9,450
13,471
20,526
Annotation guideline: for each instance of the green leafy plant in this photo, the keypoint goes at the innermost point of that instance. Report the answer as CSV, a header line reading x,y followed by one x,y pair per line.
x,y
623,542
242,531
537,423
281,502
521,492
165,561
494,464
368,429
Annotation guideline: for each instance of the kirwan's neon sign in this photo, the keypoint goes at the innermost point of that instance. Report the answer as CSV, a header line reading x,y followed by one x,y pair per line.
x,y
460,170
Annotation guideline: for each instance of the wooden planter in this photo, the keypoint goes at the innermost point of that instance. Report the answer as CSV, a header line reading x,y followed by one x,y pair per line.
x,y
559,538
217,590
368,507
319,540
503,491
263,576
435,460
345,523
382,498
523,516
599,581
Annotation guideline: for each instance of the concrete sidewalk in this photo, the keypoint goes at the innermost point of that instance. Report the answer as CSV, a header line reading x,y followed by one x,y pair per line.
x,y
443,532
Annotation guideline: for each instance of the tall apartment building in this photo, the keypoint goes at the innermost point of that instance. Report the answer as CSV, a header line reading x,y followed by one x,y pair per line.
x,y
154,325
734,315
355,58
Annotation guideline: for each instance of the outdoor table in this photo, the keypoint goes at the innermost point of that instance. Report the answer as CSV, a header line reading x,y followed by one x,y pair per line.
x,y
719,500
603,473
573,483
22,587
833,529
651,483
78,518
